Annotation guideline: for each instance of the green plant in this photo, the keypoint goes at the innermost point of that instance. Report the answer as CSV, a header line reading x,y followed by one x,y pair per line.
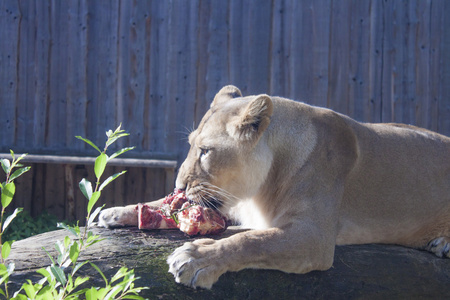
x,y
8,189
56,282
25,225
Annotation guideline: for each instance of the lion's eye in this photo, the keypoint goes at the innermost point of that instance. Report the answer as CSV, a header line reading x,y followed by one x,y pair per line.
x,y
203,152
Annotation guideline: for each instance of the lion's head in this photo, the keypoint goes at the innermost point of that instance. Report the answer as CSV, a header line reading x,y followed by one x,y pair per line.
x,y
229,157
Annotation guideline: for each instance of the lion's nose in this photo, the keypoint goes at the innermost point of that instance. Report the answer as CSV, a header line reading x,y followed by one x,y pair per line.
x,y
179,185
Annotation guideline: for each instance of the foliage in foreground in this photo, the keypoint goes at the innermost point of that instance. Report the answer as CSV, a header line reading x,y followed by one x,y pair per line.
x,y
60,280
25,225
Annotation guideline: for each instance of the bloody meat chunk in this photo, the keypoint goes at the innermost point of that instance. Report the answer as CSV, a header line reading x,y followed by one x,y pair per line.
x,y
177,212
200,220
153,219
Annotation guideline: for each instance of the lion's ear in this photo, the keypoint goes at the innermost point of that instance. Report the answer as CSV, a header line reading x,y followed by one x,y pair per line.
x,y
255,118
226,93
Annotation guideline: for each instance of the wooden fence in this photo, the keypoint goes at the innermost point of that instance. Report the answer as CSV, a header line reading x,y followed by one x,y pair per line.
x,y
72,68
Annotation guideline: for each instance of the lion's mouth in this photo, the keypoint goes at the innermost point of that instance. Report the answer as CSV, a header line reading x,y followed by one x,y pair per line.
x,y
204,199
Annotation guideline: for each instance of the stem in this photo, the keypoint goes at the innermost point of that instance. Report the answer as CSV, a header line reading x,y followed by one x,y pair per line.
x,y
1,225
1,245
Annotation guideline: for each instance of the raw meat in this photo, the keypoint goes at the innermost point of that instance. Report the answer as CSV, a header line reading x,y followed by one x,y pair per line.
x,y
177,212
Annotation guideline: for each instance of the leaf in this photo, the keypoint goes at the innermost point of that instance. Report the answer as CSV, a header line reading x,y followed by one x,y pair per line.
x,y
101,293
74,230
3,269
89,142
92,239
10,268
11,217
133,297
6,165
86,188
74,252
115,137
20,297
93,200
46,292
94,215
29,289
80,280
114,291
109,133
48,254
118,128
45,273
100,164
15,162
100,272
120,273
59,274
59,246
19,172
6,271
67,241
91,294
121,151
6,249
109,179
78,266
8,192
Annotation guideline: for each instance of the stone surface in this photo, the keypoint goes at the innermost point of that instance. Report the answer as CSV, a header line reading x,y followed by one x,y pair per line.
x,y
359,271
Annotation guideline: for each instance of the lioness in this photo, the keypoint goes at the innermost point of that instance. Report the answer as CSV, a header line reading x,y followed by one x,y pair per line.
x,y
305,179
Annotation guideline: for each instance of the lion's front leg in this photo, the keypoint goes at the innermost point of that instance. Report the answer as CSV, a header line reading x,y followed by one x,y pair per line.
x,y
202,262
122,216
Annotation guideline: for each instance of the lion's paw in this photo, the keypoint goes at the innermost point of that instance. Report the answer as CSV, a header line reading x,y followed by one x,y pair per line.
x,y
196,264
118,217
440,247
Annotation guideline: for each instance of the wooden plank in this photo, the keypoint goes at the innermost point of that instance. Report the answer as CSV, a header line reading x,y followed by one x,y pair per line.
x,y
69,184
10,26
122,92
279,56
133,71
131,162
56,129
339,47
203,98
392,61
300,52
181,58
185,101
41,97
147,70
359,59
217,74
444,104
39,185
422,64
76,93
101,68
238,72
54,196
436,40
320,24
25,68
158,96
409,64
258,63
